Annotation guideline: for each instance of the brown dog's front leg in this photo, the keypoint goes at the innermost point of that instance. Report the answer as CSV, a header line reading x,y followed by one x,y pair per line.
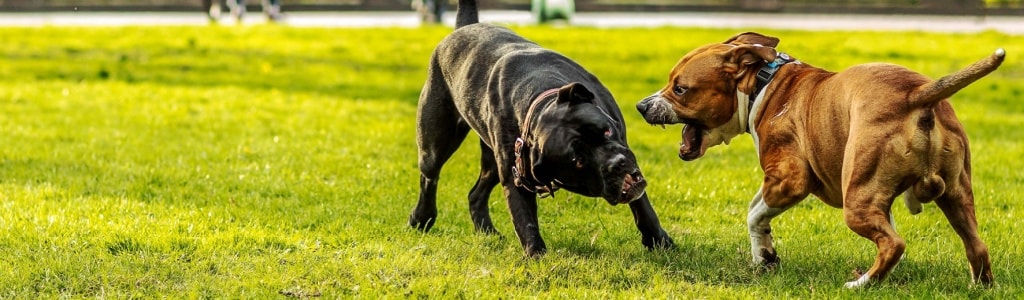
x,y
651,233
787,181
759,227
523,206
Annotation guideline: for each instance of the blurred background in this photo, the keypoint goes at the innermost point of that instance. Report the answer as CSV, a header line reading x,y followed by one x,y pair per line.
x,y
955,7
930,15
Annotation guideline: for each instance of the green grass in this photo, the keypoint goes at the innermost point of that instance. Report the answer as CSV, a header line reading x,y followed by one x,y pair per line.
x,y
267,161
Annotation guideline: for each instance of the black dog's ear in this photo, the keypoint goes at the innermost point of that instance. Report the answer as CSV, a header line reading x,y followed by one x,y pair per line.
x,y
575,93
753,38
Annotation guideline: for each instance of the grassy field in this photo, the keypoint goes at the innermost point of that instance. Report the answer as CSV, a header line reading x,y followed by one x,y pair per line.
x,y
266,161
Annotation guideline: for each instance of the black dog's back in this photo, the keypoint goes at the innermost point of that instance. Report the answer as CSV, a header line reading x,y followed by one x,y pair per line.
x,y
485,54
495,59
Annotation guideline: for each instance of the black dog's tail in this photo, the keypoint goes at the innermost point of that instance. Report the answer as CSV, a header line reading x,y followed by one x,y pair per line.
x,y
466,14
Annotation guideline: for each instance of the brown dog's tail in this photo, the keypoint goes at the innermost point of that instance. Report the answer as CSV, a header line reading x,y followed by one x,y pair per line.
x,y
946,86
466,13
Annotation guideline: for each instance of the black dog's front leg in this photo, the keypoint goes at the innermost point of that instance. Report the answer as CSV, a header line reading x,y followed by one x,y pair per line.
x,y
652,235
523,206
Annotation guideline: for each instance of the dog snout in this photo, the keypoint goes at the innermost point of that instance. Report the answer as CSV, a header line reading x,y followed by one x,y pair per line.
x,y
619,162
654,110
637,176
644,105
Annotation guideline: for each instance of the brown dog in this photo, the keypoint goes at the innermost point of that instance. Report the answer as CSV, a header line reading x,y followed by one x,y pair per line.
x,y
855,139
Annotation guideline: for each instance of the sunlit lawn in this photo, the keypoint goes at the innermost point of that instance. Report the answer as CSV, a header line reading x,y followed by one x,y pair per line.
x,y
256,162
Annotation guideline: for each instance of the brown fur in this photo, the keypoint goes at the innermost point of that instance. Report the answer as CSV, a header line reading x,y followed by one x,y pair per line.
x,y
855,139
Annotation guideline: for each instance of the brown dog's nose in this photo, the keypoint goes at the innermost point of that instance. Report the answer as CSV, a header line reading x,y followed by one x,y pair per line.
x,y
643,106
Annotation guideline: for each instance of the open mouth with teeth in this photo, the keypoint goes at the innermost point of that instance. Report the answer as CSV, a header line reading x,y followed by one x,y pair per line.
x,y
692,145
632,188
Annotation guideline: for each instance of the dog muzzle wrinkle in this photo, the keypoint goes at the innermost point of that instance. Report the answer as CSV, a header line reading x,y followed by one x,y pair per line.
x,y
617,161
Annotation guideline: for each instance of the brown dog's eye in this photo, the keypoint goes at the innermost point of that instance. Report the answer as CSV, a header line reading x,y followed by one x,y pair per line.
x,y
578,162
678,90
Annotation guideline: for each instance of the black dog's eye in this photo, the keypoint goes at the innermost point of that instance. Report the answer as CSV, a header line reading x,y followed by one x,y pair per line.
x,y
578,161
678,90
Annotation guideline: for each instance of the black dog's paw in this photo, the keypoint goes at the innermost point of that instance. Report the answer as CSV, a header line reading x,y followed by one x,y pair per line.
x,y
661,241
488,230
535,249
421,224
484,225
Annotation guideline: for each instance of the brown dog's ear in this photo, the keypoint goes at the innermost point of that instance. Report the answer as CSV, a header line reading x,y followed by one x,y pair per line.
x,y
753,38
740,58
575,93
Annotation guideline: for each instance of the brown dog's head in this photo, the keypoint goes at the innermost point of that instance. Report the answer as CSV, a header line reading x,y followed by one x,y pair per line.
x,y
703,88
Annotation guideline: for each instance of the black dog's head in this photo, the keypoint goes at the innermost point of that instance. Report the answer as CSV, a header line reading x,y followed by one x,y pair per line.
x,y
582,148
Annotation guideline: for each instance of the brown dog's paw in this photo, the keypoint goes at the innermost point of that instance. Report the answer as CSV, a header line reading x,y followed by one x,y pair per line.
x,y
771,259
857,272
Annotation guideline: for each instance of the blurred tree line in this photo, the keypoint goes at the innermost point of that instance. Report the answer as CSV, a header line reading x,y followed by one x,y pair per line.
x,y
965,7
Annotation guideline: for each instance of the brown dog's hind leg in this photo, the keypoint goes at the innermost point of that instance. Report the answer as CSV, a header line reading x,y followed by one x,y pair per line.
x,y
866,211
958,206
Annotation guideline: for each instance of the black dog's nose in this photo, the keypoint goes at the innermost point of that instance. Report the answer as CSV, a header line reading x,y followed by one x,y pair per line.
x,y
637,176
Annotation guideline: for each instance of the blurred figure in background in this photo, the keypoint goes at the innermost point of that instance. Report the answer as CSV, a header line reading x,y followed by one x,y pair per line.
x,y
430,10
212,9
271,9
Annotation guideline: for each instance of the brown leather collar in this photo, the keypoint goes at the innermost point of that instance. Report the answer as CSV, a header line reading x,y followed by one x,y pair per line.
x,y
520,179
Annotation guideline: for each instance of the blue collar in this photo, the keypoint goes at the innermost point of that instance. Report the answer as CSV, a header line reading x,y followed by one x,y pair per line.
x,y
765,75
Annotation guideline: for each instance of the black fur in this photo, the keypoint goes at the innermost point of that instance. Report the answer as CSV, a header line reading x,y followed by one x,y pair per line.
x,y
484,78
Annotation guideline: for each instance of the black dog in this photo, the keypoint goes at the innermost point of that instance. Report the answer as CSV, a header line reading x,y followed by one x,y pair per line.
x,y
544,123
